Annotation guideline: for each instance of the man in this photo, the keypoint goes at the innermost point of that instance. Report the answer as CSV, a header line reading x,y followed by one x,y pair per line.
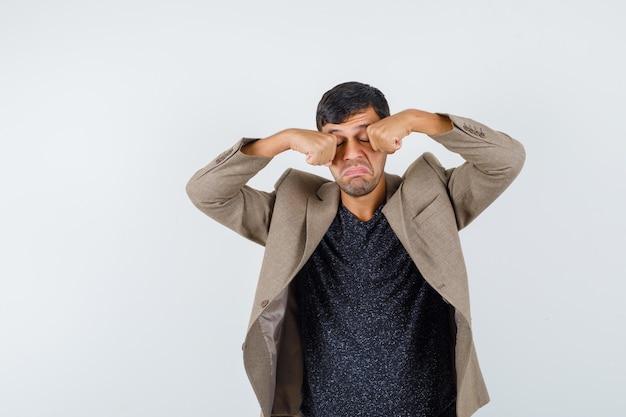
x,y
362,305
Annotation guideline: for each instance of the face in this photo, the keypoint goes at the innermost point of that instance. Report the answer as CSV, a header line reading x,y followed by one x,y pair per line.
x,y
357,169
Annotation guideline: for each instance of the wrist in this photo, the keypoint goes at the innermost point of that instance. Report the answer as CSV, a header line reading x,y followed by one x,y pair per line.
x,y
269,146
431,124
439,124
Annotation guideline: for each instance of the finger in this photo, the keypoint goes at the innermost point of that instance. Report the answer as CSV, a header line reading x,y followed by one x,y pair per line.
x,y
398,143
311,161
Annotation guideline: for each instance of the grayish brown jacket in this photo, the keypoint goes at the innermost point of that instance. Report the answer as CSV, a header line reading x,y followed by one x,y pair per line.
x,y
426,208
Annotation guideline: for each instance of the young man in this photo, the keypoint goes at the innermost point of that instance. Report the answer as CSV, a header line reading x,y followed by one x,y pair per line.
x,y
362,305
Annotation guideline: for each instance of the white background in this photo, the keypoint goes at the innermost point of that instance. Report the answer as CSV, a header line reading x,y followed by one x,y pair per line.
x,y
119,298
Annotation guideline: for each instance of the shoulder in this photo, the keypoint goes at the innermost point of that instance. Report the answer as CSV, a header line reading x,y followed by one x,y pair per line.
x,y
300,181
424,167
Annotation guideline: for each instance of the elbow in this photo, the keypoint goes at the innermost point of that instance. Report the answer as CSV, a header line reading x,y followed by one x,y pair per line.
x,y
193,192
200,194
518,158
507,165
515,160
511,158
206,196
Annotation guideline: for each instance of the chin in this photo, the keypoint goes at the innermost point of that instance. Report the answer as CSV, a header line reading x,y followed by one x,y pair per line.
x,y
358,190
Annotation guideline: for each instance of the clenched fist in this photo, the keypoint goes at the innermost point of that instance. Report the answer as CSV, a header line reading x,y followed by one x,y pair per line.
x,y
319,148
386,135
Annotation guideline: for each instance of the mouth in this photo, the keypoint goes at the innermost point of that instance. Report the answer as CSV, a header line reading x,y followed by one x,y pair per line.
x,y
356,171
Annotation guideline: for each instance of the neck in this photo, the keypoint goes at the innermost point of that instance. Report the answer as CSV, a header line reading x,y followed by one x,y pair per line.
x,y
363,207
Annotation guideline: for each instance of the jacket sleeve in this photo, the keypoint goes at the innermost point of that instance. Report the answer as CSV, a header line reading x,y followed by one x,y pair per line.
x,y
219,190
493,161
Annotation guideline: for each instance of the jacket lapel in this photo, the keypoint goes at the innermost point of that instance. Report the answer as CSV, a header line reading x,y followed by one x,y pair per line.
x,y
393,210
320,213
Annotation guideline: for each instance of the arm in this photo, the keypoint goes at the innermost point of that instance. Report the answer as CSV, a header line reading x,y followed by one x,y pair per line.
x,y
493,159
386,135
318,147
219,190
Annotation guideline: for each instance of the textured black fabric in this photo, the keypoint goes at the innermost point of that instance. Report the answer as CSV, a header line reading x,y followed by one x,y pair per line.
x,y
376,337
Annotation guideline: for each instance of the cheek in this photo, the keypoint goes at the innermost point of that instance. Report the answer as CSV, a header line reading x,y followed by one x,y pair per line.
x,y
336,169
338,154
337,161
378,160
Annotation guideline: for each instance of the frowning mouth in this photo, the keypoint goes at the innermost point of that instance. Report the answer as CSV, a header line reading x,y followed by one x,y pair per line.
x,y
356,171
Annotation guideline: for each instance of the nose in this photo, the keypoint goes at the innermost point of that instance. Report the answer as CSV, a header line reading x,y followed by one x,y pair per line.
x,y
352,149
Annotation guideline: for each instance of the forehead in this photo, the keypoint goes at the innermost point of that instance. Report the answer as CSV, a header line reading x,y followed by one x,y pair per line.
x,y
355,122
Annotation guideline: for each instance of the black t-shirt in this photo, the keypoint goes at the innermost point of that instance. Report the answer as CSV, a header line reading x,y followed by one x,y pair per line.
x,y
376,337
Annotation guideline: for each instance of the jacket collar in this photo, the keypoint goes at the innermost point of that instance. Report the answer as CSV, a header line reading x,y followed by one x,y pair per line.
x,y
322,209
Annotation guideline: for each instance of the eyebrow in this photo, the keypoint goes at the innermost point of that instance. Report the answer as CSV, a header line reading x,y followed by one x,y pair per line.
x,y
359,127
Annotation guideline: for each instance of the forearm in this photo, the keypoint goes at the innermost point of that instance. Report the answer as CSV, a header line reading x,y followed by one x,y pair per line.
x,y
225,175
487,149
431,124
268,147
319,148
386,135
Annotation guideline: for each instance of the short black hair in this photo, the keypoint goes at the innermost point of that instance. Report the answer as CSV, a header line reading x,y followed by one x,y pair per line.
x,y
346,99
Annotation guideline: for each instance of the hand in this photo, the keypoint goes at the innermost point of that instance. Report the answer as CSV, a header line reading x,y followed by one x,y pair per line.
x,y
386,135
318,147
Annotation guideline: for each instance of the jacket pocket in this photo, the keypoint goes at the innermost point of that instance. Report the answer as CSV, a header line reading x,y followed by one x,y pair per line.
x,y
434,207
